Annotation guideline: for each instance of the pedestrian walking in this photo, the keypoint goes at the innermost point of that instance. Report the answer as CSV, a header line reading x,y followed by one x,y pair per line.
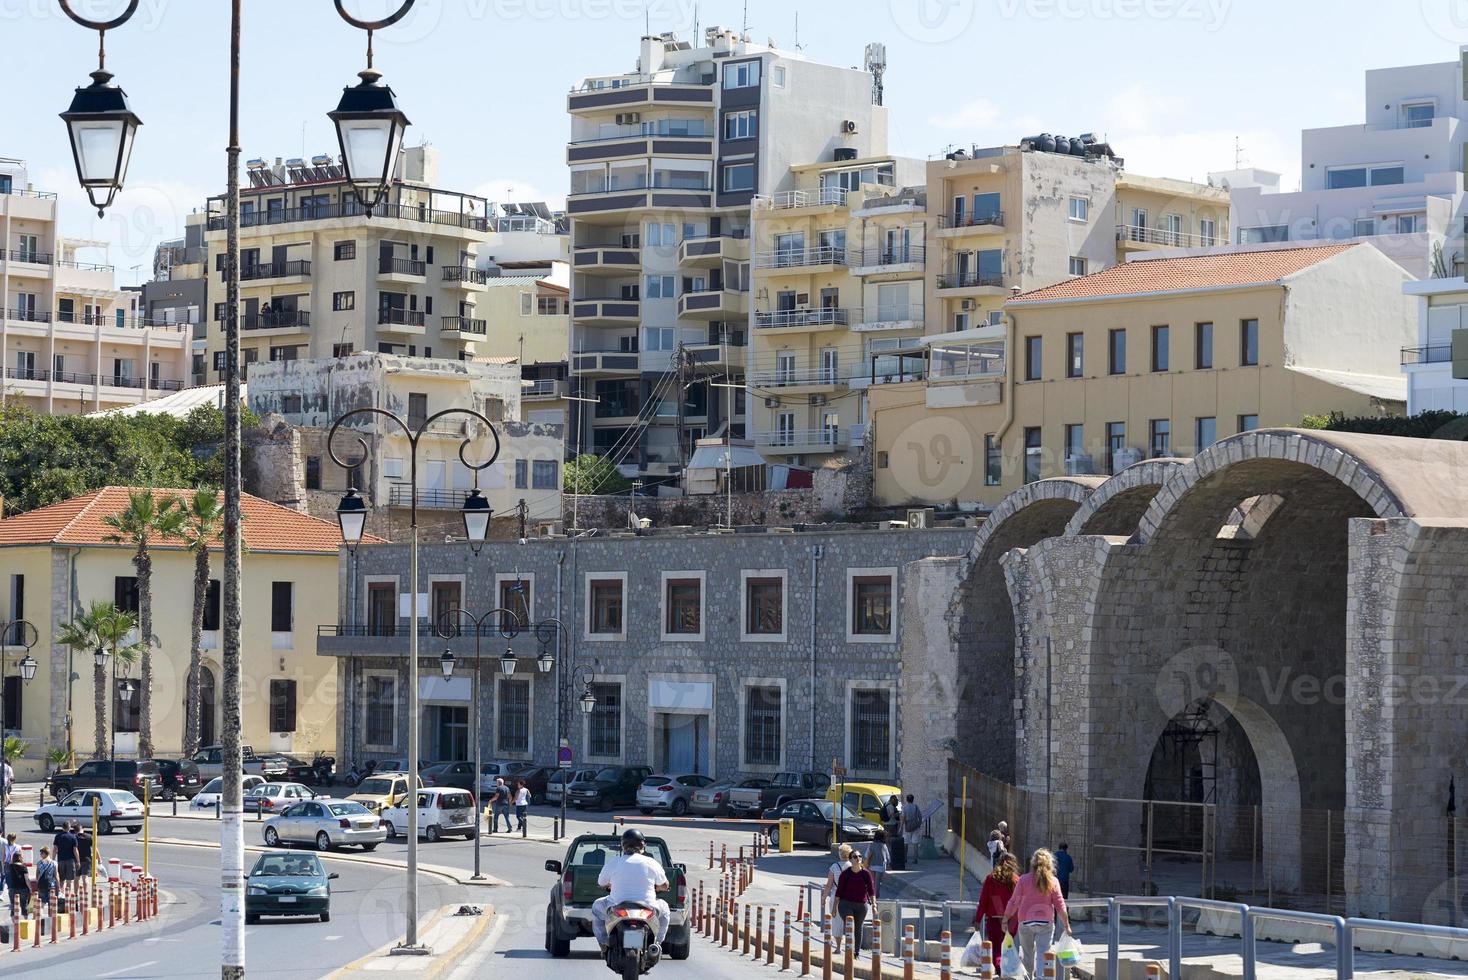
x,y
855,893
912,828
522,804
20,887
1035,903
828,891
1065,865
7,781
66,856
47,883
996,848
501,806
85,849
877,858
994,900
1004,837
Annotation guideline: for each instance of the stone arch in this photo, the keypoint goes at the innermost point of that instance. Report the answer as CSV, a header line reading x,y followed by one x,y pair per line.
x,y
1116,508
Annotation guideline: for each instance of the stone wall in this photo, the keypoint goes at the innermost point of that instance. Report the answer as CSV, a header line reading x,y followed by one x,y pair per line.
x,y
772,508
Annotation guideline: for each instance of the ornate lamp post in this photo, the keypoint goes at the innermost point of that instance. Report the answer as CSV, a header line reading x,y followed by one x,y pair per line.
x,y
476,525
369,124
16,633
99,123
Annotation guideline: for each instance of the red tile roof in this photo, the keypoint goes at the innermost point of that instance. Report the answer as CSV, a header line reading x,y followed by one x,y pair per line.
x,y
1187,272
266,527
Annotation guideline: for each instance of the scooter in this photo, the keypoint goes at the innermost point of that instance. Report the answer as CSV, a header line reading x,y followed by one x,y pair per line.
x,y
632,947
322,767
360,772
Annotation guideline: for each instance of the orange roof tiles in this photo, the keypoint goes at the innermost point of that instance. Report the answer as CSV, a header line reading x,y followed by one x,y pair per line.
x,y
266,527
1187,272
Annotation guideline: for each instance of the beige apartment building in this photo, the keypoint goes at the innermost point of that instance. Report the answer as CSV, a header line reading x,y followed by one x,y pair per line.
x,y
71,342
319,278
528,322
1158,357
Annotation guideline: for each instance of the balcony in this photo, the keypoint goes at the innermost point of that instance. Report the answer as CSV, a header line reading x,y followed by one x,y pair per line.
x,y
721,354
714,304
463,328
601,198
29,374
28,316
1134,238
681,145
978,223
799,382
607,312
888,261
349,208
800,441
121,381
29,257
401,495
802,321
288,269
73,378
392,269
827,199
465,276
978,282
408,323
802,261
608,260
632,91
879,318
1436,354
710,251
618,363
279,321
543,390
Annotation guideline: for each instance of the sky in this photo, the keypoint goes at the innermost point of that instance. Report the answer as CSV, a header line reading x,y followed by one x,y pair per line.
x,y
1177,86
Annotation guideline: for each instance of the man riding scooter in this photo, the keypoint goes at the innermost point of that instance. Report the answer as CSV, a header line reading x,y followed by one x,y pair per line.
x,y
632,877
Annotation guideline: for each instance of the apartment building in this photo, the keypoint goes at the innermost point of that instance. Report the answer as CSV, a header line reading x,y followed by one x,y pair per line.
x,y
665,164
1397,178
320,278
70,341
179,290
1436,363
1158,357
528,321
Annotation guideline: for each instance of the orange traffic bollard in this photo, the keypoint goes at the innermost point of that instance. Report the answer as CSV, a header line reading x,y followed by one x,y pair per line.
x,y
852,940
907,951
876,949
759,931
805,946
711,855
986,961
945,965
745,951
785,948
770,941
826,951
1049,970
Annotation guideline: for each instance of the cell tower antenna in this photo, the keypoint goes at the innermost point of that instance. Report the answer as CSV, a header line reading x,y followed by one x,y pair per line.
x,y
876,63
745,28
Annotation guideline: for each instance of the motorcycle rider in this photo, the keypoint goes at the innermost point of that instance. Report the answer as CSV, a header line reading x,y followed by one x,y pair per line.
x,y
632,876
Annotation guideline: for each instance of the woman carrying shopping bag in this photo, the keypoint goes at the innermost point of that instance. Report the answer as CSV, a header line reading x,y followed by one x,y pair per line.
x,y
856,891
1035,903
994,900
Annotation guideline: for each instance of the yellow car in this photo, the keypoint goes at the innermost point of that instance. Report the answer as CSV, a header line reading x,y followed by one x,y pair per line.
x,y
865,799
382,790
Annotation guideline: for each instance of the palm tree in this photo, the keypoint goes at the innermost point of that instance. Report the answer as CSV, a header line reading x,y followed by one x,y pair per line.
x,y
102,626
145,520
203,524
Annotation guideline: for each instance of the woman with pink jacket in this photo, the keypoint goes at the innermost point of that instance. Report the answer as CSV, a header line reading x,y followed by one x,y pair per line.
x,y
1035,903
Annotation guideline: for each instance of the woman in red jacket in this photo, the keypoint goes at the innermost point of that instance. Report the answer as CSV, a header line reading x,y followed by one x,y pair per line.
x,y
997,890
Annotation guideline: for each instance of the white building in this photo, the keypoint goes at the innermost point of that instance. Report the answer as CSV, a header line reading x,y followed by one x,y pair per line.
x,y
1397,178
1434,382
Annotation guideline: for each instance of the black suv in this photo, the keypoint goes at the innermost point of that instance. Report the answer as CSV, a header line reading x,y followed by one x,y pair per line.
x,y
180,778
611,787
128,774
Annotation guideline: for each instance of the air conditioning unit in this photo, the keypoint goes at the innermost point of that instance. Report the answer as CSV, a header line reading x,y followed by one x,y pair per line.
x,y
817,400
849,127
772,403
968,304
629,118
920,517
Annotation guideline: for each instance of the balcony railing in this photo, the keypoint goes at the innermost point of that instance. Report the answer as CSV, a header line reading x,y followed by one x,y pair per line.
x,y
464,324
878,316
978,219
276,270
351,209
544,388
24,192
463,273
32,316
1436,354
970,280
73,378
389,266
877,257
1163,236
401,495
799,258
821,197
645,131
802,318
85,266
34,258
830,437
401,318
796,379
164,384
277,320
26,374
121,381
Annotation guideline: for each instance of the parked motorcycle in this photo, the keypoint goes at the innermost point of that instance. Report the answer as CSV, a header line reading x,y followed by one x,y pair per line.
x,y
632,947
361,771
323,767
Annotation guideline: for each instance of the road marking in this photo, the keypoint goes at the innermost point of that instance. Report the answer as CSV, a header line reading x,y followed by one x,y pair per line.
x,y
127,969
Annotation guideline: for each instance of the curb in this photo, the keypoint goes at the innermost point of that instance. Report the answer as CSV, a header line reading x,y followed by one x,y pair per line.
x,y
440,961
451,874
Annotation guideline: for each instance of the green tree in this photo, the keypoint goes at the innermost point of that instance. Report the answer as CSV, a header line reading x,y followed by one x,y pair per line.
x,y
13,748
590,475
102,626
146,519
203,524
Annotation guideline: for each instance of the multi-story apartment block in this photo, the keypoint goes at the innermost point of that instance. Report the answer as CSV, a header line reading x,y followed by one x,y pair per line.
x,y
1397,178
70,341
319,278
179,290
1436,365
665,164
529,321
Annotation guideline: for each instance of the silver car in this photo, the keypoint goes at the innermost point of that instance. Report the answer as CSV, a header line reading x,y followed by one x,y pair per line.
x,y
490,771
555,786
671,793
328,824
713,799
275,797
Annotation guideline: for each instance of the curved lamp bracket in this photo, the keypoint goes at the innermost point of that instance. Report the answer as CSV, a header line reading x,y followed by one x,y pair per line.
x,y
368,25
103,26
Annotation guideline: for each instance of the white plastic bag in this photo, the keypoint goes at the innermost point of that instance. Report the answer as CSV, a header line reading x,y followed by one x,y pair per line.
x,y
1067,951
1010,964
973,953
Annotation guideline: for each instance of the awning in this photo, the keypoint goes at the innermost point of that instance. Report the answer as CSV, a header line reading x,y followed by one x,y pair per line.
x,y
1387,387
714,457
993,331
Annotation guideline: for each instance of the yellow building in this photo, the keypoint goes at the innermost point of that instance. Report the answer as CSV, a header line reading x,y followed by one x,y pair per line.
x,y
56,562
1158,357
528,322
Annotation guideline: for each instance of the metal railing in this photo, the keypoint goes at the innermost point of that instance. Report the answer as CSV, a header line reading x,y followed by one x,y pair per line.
x,y
465,324
544,388
401,318
401,495
34,258
29,316
791,379
276,270
85,266
645,131
464,273
26,374
887,314
977,219
389,266
351,209
1147,235
610,83
877,257
24,192
1435,354
823,438
799,258
820,197
277,320
802,318
970,280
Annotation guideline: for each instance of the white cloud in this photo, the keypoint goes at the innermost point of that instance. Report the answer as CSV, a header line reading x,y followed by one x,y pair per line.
x,y
508,190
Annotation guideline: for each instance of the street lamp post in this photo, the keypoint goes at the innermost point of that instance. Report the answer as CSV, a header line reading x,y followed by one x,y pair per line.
x,y
125,694
26,634
352,516
588,705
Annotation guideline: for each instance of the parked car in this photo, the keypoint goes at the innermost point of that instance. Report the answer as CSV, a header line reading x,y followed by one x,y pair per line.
x,y
114,808
126,774
383,789
784,787
814,823
210,760
490,771
276,797
537,780
556,784
864,799
180,778
457,775
713,800
207,797
568,916
611,787
671,793
298,770
441,811
288,884
328,824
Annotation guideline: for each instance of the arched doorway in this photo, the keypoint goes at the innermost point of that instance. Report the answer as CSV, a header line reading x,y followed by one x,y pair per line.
x,y
208,729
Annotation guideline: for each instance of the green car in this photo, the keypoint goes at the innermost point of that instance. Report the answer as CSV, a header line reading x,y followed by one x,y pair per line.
x,y
288,884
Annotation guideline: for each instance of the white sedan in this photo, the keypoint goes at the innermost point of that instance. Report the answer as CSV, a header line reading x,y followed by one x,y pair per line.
x,y
114,808
440,811
211,794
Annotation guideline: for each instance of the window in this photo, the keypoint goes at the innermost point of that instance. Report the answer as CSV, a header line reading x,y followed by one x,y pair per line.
x,y
871,730
1205,432
738,177
527,304
683,606
444,598
1080,210
514,715
127,711
741,125
1409,224
282,706
764,605
382,609
1160,437
1337,178
1075,441
1075,355
1032,359
343,251
658,338
341,350
1203,346
744,74
282,611
517,595
1161,356
660,287
1033,461
417,409
1115,444
1077,265
548,306
1116,352
993,462
605,596
777,76
604,728
543,474
1248,342
313,472
284,354
1417,116
14,719
341,302
762,718
125,593
871,605
1248,423
212,606
661,235
522,474
381,710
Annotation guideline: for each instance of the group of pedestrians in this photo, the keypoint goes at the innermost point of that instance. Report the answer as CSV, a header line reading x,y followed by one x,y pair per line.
x,y
58,867
1024,906
854,879
501,798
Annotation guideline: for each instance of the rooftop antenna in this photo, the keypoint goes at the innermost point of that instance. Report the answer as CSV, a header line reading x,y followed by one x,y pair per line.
x,y
1238,154
646,20
797,30
745,29
876,63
